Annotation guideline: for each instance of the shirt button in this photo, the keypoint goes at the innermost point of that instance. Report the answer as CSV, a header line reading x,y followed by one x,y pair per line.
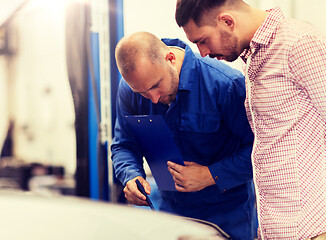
x,y
224,190
216,178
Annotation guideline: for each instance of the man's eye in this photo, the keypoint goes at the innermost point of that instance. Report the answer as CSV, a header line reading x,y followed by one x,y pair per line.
x,y
202,42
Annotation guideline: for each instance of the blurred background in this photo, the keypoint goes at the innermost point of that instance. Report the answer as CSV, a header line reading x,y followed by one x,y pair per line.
x,y
58,84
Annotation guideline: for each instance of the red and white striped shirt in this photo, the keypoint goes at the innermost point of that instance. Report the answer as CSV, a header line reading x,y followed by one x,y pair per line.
x,y
286,107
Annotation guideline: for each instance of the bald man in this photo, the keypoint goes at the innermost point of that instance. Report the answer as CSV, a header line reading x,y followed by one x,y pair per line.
x,y
202,102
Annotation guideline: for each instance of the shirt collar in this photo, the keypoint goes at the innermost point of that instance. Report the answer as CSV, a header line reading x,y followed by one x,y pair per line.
x,y
267,29
187,75
265,32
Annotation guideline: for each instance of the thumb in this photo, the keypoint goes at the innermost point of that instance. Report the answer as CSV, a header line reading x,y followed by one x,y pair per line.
x,y
146,186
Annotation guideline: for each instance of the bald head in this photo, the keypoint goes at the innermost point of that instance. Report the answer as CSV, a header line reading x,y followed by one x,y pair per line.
x,y
133,48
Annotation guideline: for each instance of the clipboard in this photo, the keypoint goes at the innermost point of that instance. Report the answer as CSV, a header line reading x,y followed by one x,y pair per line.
x,y
157,145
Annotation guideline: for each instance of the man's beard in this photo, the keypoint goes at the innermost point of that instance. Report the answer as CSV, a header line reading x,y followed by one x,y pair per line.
x,y
231,45
174,86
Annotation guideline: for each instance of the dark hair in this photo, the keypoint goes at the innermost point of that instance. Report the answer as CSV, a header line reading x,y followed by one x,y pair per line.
x,y
194,9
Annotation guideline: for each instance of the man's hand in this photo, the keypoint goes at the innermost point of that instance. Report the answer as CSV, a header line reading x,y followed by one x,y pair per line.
x,y
190,178
133,195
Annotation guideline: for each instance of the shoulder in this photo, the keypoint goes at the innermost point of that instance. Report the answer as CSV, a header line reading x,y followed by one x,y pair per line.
x,y
293,31
124,90
123,85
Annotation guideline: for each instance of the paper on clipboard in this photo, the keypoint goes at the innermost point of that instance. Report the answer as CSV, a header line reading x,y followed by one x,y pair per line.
x,y
158,146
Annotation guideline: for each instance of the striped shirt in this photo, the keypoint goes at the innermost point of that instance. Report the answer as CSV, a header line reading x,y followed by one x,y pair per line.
x,y
286,108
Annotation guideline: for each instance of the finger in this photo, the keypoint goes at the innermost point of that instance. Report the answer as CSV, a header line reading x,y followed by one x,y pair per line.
x,y
180,188
175,175
172,171
146,185
179,183
134,199
175,167
132,191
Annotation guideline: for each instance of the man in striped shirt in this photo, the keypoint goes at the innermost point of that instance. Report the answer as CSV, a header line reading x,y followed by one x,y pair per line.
x,y
286,106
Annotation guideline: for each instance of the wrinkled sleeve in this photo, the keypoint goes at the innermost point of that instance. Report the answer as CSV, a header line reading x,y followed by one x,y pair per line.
x,y
236,169
126,157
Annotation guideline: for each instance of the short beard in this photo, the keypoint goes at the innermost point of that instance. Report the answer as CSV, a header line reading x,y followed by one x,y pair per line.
x,y
174,84
231,45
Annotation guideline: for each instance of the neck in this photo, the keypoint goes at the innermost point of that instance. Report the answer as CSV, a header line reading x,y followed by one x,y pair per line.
x,y
250,21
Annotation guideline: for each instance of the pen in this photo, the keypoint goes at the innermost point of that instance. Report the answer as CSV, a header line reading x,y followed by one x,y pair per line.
x,y
142,190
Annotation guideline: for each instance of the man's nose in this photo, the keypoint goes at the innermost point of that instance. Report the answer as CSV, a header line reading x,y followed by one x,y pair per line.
x,y
204,51
154,97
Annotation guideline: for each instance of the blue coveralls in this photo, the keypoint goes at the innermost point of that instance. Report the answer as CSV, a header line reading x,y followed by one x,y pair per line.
x,y
209,125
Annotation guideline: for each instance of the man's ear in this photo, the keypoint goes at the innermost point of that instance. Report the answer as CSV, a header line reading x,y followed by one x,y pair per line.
x,y
170,57
227,20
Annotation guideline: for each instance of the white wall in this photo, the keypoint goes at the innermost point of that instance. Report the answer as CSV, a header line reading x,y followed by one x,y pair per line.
x,y
155,16
312,11
4,120
6,9
40,99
